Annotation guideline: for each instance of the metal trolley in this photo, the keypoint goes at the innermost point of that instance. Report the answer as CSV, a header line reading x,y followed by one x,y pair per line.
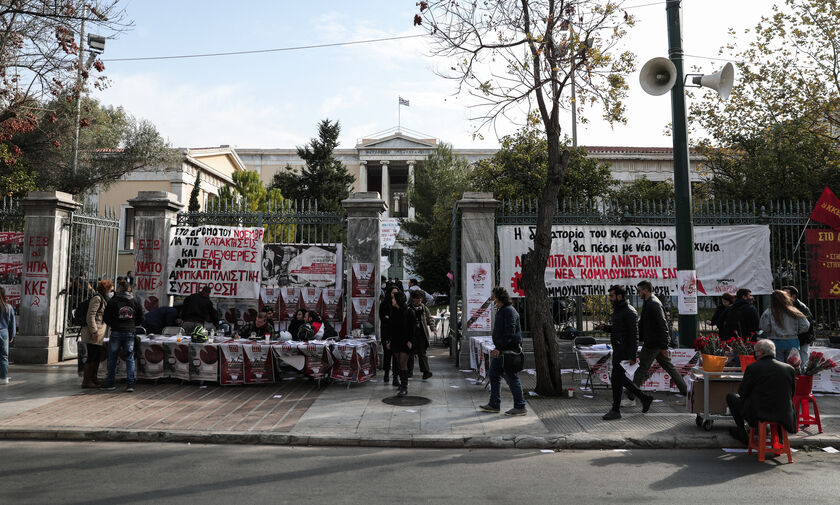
x,y
729,374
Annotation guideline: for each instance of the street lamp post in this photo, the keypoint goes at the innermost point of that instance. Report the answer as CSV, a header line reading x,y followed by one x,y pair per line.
x,y
96,45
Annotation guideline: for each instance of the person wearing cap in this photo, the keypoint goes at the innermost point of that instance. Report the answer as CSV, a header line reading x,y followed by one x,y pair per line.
x,y
198,310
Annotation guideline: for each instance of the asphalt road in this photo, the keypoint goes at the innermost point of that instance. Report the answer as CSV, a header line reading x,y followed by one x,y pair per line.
x,y
114,473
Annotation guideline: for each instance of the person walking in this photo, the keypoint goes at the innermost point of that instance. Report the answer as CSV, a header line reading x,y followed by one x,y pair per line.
x,y
401,337
624,338
385,308
810,335
123,314
7,334
783,323
653,330
93,332
507,339
423,323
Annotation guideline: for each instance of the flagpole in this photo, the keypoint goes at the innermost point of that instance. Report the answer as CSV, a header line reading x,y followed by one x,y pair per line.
x,y
399,109
800,235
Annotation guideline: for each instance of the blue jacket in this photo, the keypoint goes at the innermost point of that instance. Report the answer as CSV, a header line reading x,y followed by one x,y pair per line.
x,y
507,334
7,320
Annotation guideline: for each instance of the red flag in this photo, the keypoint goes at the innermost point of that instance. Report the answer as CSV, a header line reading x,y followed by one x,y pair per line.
x,y
827,210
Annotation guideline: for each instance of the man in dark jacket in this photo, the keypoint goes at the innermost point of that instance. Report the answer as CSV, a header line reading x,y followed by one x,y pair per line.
x,y
122,314
198,309
624,338
765,394
507,338
742,318
653,330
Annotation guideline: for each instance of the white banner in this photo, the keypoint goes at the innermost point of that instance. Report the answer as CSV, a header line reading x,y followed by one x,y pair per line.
x,y
479,291
223,257
389,228
586,260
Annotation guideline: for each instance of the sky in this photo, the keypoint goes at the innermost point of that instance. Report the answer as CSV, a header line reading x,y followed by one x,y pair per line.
x,y
275,100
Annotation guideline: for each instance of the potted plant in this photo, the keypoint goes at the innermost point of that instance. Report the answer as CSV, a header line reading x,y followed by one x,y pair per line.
x,y
817,363
745,350
713,352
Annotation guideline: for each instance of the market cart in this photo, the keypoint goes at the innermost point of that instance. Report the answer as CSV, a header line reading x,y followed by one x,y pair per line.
x,y
716,385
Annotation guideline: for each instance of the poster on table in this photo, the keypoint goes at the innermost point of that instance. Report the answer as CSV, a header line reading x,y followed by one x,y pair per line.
x,y
587,259
345,366
204,362
332,305
302,265
310,298
151,359
687,292
237,311
823,263
259,369
600,362
231,364
363,311
177,359
479,296
225,258
828,381
318,359
389,228
363,280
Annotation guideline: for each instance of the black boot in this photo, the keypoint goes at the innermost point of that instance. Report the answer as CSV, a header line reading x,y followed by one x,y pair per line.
x,y
403,383
386,376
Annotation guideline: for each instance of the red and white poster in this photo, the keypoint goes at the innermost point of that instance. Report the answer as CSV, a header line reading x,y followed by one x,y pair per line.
x,y
687,292
151,360
824,263
11,265
225,258
479,296
310,298
177,359
363,311
259,368
364,280
332,305
204,362
588,259
231,364
600,361
288,303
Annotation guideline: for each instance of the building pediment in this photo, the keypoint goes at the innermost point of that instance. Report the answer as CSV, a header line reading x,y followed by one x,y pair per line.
x,y
397,143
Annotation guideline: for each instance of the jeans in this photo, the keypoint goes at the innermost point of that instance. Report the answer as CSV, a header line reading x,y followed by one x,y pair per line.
x,y
646,357
784,348
4,353
804,351
496,373
121,340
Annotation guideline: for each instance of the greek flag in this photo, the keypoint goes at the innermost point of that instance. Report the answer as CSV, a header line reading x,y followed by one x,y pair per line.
x,y
403,101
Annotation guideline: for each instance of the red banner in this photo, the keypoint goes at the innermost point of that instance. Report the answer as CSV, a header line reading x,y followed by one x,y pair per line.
x,y
824,263
827,210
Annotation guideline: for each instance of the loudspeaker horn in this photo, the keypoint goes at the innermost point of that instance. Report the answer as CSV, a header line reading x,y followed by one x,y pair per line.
x,y
721,82
658,76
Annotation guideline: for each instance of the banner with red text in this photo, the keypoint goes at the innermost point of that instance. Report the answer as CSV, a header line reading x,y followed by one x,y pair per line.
x,y
226,258
823,263
587,259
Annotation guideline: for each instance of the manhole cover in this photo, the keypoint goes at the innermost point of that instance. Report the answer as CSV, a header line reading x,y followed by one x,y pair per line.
x,y
406,401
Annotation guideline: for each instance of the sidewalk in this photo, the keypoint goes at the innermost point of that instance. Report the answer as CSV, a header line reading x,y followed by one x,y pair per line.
x,y
44,402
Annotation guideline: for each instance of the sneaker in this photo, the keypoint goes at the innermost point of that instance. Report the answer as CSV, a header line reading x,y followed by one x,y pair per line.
x,y
516,412
5,381
129,388
402,392
611,415
426,375
488,408
679,402
107,387
628,403
646,403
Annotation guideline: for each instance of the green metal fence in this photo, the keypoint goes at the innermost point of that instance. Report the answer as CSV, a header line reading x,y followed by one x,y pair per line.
x,y
11,215
789,264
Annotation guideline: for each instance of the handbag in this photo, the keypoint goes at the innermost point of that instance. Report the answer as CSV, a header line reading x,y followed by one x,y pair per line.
x,y
513,361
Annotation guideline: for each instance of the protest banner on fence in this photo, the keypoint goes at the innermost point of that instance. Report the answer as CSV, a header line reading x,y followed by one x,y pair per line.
x,y
225,258
302,265
824,263
587,259
11,265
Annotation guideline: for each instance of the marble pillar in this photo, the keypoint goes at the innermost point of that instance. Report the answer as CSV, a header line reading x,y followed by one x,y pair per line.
x,y
410,184
386,185
478,245
45,276
364,211
155,215
363,177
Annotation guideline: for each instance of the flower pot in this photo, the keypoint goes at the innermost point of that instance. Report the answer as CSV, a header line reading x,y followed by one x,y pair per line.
x,y
713,363
745,360
804,384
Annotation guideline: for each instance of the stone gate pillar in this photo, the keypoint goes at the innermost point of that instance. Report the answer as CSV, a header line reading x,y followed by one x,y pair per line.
x,y
363,247
46,217
155,215
478,245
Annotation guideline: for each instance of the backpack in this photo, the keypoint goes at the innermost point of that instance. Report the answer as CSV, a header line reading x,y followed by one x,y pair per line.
x,y
305,332
80,314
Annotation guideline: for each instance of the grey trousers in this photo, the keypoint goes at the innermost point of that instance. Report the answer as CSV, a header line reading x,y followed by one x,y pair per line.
x,y
646,358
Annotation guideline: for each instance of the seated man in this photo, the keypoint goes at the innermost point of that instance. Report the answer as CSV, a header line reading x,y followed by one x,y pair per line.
x,y
259,327
765,394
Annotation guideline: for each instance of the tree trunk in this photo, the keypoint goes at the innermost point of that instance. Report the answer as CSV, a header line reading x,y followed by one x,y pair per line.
x,y
546,350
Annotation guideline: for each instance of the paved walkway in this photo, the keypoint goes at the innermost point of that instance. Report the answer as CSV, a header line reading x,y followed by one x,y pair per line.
x,y
44,402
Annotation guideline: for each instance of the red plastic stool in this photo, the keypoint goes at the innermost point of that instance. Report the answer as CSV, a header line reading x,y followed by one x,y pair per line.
x,y
803,414
758,441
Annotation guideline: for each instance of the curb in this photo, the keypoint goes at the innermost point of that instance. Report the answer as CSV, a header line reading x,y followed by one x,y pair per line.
x,y
575,441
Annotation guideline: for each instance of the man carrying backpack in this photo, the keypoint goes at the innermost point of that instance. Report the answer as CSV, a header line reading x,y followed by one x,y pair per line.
x,y
123,314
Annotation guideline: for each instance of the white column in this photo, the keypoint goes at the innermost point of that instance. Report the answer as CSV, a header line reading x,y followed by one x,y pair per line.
x,y
363,182
410,183
386,186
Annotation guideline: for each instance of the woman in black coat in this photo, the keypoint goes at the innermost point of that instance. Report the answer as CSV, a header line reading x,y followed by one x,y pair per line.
x,y
401,337
384,320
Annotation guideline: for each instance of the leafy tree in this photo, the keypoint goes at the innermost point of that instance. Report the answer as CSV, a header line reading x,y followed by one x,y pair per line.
x,y
517,56
16,178
247,190
324,178
643,190
439,181
112,143
518,170
194,205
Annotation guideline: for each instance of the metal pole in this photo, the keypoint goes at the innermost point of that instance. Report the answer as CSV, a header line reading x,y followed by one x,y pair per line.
x,y
687,323
453,289
79,95
574,109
